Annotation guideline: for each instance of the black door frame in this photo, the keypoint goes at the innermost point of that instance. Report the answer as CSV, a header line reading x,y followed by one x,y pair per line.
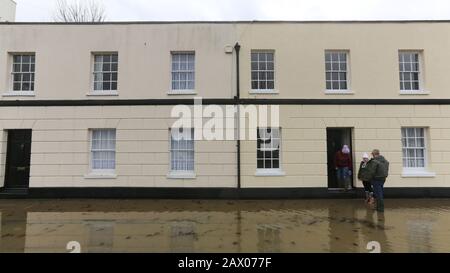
x,y
350,130
7,179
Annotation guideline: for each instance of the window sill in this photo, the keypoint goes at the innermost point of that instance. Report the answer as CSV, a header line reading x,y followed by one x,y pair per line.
x,y
100,176
414,92
181,175
102,93
339,92
264,92
270,172
181,92
417,173
19,94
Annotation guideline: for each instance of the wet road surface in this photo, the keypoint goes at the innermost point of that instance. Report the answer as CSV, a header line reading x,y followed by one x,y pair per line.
x,y
185,226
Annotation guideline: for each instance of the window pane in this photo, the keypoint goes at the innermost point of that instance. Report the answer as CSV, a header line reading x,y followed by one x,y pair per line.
x,y
254,76
16,86
262,85
276,164
17,77
107,76
420,163
17,58
262,66
262,76
25,67
335,85
419,132
26,87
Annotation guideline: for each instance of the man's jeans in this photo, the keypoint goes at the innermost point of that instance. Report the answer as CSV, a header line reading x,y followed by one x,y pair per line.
x,y
378,190
343,176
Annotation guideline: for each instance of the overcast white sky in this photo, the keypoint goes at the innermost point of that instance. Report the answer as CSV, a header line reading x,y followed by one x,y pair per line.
x,y
217,10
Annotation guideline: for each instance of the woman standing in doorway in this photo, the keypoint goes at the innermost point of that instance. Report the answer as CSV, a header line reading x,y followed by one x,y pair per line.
x,y
343,164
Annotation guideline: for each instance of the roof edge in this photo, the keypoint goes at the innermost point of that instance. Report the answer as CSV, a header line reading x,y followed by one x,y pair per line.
x,y
233,22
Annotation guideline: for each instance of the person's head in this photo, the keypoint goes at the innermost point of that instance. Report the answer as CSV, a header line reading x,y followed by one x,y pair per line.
x,y
376,153
345,149
365,157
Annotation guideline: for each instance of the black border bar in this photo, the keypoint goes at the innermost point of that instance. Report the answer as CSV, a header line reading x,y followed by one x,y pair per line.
x,y
218,193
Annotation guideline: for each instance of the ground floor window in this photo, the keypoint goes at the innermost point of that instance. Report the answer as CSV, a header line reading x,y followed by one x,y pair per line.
x,y
414,148
268,149
103,150
182,150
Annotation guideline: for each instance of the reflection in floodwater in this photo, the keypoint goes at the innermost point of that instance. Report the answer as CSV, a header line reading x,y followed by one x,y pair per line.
x,y
186,226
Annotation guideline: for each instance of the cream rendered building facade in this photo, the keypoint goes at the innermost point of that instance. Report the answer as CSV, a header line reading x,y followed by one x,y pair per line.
x,y
411,127
7,11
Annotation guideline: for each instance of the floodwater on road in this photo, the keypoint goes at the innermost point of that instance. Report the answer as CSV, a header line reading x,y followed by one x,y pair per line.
x,y
185,226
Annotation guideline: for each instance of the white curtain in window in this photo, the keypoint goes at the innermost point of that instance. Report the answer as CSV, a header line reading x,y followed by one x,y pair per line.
x,y
182,149
104,149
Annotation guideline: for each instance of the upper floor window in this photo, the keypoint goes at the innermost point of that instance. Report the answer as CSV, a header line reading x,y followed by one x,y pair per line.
x,y
106,67
183,71
263,70
23,72
336,68
409,62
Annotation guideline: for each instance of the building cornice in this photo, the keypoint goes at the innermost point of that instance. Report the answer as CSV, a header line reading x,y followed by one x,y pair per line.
x,y
243,101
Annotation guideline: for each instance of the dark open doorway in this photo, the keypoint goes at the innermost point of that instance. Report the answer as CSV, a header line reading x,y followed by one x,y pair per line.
x,y
336,138
18,155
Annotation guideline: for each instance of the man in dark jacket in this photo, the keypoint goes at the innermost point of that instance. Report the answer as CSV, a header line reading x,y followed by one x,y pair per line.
x,y
378,169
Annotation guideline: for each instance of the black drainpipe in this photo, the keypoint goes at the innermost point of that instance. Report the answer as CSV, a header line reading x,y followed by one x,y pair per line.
x,y
237,98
